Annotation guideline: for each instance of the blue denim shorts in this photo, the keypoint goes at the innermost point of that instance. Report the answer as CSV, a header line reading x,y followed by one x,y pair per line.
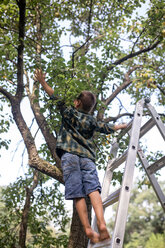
x,y
80,176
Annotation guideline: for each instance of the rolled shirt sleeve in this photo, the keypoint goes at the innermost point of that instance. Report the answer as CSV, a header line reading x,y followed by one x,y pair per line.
x,y
59,102
103,127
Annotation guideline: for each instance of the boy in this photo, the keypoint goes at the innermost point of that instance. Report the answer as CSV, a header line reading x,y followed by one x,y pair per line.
x,y
75,147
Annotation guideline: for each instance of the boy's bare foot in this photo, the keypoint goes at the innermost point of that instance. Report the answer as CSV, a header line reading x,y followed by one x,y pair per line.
x,y
103,232
92,235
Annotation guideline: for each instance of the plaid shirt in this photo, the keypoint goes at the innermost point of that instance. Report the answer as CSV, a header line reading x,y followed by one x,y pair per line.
x,y
77,130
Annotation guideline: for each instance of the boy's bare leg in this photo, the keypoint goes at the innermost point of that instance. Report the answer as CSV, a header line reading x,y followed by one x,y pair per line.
x,y
83,214
98,208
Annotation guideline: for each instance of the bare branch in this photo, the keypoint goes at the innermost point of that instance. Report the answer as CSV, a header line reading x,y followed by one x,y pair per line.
x,y
11,82
138,39
35,181
6,94
129,56
117,117
46,168
161,90
89,19
83,45
124,85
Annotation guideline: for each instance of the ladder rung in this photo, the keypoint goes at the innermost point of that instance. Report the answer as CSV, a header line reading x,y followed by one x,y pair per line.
x,y
105,244
125,130
118,161
156,166
146,127
112,198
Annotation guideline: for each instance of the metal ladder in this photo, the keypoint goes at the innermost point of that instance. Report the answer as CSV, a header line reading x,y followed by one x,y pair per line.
x,y
122,195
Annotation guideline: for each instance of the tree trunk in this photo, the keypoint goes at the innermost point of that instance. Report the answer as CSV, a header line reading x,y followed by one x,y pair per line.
x,y
78,238
25,214
23,225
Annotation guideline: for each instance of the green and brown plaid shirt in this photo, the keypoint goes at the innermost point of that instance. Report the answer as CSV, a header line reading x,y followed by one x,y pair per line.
x,y
77,130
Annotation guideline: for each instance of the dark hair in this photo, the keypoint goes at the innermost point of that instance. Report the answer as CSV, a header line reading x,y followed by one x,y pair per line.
x,y
87,99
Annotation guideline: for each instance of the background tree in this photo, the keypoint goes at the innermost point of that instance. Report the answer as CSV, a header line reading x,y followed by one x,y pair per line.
x,y
39,210
146,222
156,240
113,50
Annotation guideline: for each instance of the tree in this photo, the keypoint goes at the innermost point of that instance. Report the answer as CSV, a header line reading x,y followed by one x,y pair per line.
x,y
145,216
155,240
36,209
108,41
146,222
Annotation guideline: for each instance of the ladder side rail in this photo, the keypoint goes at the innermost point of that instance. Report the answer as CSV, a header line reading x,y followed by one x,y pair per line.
x,y
152,178
157,119
107,180
121,216
109,173
105,191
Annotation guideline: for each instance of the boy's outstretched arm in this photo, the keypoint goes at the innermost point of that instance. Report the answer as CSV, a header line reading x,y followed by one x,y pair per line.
x,y
120,126
40,77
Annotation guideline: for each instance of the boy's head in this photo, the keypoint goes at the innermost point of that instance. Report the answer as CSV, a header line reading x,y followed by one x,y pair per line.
x,y
85,101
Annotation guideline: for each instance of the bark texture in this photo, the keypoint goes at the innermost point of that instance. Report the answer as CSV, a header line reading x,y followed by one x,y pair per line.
x,y
25,212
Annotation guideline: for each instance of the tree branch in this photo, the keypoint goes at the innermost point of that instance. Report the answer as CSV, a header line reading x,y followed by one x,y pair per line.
x,y
26,209
89,19
20,86
124,85
6,94
41,121
129,56
138,39
161,90
117,117
83,45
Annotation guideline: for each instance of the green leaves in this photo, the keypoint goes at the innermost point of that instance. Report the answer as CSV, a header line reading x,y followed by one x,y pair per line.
x,y
46,206
145,217
5,2
155,240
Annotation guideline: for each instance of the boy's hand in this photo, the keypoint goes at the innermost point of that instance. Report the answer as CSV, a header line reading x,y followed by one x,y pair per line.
x,y
120,126
123,125
39,76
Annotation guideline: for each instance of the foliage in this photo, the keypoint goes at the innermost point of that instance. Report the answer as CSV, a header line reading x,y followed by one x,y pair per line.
x,y
156,240
47,217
